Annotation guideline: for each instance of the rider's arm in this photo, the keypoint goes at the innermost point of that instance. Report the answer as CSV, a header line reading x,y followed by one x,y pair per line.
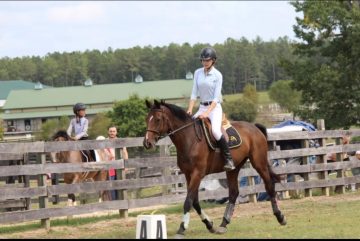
x,y
70,128
191,106
193,97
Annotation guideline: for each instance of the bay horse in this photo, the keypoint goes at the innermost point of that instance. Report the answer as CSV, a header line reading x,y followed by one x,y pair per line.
x,y
196,160
76,177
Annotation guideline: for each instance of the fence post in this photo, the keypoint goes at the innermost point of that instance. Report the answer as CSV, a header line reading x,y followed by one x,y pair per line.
x,y
251,182
322,158
340,173
55,181
165,171
305,161
43,201
121,175
282,163
27,182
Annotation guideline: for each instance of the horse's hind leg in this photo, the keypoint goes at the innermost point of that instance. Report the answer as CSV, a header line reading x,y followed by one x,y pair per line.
x,y
232,178
262,166
204,218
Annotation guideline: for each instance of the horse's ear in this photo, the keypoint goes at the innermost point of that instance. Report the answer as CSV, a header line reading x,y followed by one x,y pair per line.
x,y
148,104
157,104
162,101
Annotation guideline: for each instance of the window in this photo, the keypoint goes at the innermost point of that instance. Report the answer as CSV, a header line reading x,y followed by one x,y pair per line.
x,y
27,125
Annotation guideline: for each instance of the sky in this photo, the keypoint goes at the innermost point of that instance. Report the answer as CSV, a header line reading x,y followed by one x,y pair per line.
x,y
36,28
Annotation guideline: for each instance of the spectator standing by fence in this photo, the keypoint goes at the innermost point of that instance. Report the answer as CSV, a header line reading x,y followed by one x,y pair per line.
x,y
112,134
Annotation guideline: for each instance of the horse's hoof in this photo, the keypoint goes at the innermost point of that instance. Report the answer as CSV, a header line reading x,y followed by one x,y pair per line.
x,y
221,230
179,236
212,230
283,222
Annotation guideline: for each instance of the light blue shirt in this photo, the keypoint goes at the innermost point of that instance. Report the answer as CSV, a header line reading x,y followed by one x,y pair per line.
x,y
207,86
80,129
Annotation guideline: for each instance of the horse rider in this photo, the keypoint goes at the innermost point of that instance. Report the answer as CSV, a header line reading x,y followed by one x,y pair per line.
x,y
79,125
208,84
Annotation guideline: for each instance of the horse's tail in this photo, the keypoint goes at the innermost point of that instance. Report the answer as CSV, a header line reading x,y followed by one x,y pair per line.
x,y
274,177
262,128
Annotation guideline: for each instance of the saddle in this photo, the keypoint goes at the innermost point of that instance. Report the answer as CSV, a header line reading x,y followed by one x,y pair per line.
x,y
231,135
86,156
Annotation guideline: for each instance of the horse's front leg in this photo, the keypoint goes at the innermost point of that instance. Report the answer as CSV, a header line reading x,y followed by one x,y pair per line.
x,y
193,184
204,217
233,194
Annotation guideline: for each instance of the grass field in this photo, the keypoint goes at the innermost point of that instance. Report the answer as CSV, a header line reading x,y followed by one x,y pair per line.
x,y
263,97
336,216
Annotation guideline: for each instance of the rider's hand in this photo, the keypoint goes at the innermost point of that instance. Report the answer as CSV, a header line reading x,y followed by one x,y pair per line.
x,y
204,115
189,112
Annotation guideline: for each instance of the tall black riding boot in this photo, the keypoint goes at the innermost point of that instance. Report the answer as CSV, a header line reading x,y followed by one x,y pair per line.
x,y
229,163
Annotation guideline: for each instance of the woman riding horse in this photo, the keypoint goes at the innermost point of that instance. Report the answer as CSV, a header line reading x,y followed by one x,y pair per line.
x,y
196,159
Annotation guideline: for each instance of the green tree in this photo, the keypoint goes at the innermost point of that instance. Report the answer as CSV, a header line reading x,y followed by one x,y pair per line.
x,y
99,125
282,93
242,109
327,71
250,93
50,127
129,117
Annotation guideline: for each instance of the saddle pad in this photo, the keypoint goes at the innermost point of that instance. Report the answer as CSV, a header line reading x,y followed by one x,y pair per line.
x,y
234,136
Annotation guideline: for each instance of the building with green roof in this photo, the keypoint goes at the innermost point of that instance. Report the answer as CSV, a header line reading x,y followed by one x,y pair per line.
x,y
6,86
26,110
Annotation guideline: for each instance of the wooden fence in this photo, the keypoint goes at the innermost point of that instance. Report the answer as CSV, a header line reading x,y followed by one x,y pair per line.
x,y
26,194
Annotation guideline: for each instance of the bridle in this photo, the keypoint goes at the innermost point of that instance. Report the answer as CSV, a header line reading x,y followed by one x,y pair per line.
x,y
171,132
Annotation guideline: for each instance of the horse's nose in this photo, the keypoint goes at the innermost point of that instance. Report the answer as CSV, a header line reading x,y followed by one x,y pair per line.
x,y
146,143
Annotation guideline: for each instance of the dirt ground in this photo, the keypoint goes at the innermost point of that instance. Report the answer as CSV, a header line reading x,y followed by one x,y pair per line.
x,y
93,229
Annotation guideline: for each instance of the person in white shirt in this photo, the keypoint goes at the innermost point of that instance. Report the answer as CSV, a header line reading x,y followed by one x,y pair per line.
x,y
207,85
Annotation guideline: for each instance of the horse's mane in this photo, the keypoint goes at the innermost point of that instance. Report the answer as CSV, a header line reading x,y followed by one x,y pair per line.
x,y
176,111
63,134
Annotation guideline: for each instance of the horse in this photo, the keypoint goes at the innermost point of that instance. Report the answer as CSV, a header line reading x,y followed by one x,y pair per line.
x,y
76,177
196,160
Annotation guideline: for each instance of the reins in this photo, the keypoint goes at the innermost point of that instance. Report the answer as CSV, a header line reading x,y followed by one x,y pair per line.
x,y
174,131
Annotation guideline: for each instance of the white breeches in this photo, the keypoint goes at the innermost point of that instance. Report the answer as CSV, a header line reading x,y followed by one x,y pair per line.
x,y
215,117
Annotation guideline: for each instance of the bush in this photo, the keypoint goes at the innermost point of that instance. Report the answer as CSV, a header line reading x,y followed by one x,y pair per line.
x,y
250,93
129,117
282,93
242,109
99,125
50,127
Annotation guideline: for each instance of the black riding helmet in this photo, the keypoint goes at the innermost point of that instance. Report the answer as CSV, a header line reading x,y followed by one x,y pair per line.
x,y
79,106
207,53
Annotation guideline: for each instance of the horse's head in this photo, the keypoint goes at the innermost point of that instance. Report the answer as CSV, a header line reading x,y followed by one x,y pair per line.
x,y
157,124
163,119
61,156
61,135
